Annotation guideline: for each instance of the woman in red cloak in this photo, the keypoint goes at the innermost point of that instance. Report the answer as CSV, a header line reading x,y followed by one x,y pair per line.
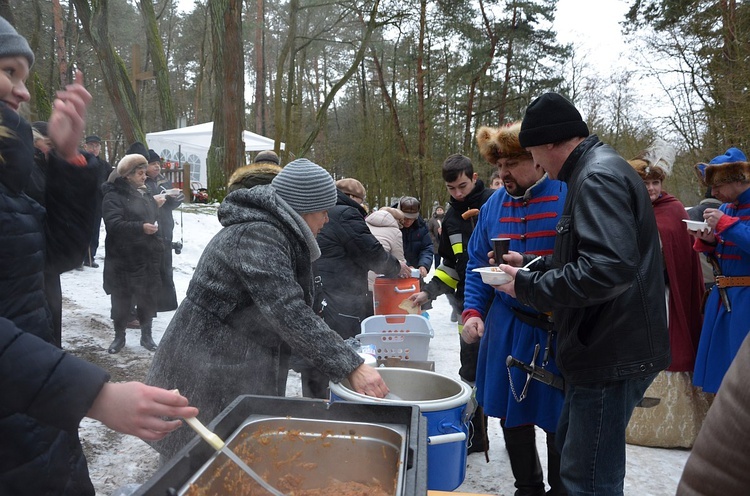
x,y
676,420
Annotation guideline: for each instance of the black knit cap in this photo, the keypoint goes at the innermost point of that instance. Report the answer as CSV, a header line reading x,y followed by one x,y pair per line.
x,y
551,118
139,148
153,156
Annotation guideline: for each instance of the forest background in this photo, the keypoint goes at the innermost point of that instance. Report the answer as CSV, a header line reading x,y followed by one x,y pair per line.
x,y
384,90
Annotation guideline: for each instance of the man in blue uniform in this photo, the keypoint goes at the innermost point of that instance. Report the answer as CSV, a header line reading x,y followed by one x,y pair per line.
x,y
525,210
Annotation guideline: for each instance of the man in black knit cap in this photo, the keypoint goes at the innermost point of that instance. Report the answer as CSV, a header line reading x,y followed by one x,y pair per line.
x,y
604,284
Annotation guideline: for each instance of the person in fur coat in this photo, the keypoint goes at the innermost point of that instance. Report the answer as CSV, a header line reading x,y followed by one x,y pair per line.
x,y
249,303
678,417
525,210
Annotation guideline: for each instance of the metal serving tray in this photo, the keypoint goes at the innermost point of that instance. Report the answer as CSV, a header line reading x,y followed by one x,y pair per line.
x,y
297,454
175,473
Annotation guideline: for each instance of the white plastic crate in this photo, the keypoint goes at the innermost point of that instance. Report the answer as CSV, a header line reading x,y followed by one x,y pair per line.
x,y
403,324
406,337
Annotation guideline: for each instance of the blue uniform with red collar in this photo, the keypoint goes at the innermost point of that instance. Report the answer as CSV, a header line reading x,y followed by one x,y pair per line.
x,y
529,222
723,332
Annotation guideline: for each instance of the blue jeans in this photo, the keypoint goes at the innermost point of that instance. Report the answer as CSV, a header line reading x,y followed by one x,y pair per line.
x,y
591,435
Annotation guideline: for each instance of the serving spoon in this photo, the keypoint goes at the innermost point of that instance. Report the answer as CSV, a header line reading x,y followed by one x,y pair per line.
x,y
219,445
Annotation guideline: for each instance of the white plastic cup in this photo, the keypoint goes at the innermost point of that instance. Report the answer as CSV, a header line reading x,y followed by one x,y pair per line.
x,y
369,359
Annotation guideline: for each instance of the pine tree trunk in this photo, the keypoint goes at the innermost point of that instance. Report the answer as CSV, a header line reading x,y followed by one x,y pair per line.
x,y
227,150
278,112
159,60
492,36
260,69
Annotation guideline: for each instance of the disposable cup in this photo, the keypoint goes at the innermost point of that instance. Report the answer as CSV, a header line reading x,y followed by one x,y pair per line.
x,y
500,246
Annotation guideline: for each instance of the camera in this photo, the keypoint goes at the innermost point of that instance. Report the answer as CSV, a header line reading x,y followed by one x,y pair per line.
x,y
177,247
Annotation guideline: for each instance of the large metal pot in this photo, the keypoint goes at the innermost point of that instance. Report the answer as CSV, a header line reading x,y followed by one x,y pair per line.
x,y
445,404
385,437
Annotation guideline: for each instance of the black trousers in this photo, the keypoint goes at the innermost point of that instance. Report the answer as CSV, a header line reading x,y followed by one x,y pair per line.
x,y
122,305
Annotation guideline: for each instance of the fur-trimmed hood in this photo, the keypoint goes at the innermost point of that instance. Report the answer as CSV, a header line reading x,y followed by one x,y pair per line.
x,y
730,167
254,174
502,142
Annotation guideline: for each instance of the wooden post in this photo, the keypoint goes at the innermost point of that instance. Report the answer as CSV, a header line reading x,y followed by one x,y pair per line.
x,y
135,68
187,189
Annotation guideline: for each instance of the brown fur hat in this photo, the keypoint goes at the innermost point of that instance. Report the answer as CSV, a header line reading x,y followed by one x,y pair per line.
x,y
656,161
129,163
644,169
730,167
502,142
252,175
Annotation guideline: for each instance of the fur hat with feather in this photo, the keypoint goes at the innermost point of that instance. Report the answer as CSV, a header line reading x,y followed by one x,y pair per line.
x,y
730,167
656,161
502,142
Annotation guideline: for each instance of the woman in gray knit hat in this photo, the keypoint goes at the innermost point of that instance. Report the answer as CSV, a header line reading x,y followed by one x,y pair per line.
x,y
248,305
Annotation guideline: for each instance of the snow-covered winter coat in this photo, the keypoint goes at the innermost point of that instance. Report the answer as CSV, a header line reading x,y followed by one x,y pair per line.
x,y
249,301
35,458
132,259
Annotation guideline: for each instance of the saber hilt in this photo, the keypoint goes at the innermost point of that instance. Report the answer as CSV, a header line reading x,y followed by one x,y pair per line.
x,y
539,374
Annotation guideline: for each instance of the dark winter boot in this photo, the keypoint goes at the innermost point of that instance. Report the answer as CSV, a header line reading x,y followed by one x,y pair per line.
x,y
556,487
146,340
119,341
480,441
524,460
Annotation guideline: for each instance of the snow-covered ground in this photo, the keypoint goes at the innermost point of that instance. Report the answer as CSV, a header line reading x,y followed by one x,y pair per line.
x,y
116,460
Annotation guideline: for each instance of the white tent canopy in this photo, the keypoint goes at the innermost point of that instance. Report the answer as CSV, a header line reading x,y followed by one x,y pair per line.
x,y
190,144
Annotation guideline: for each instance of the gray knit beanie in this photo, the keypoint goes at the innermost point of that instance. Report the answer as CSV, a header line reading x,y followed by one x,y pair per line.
x,y
305,186
12,43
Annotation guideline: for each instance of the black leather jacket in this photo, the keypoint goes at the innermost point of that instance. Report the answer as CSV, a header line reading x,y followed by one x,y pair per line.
x,y
604,280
